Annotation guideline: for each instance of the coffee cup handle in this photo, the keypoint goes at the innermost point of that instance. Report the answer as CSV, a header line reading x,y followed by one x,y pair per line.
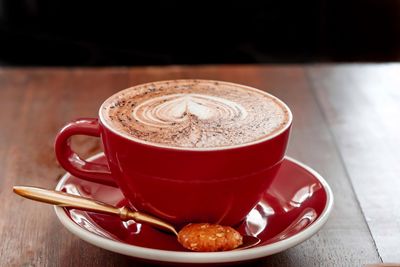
x,y
70,161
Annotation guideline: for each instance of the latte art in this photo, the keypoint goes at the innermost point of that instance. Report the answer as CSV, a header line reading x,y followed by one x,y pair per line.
x,y
177,109
195,113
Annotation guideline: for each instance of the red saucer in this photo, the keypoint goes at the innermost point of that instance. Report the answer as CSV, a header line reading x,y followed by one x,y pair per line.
x,y
295,206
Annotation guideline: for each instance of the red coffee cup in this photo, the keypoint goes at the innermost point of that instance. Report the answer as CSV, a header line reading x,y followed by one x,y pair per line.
x,y
180,185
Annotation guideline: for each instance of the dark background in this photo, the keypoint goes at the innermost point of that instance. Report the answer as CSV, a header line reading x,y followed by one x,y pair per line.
x,y
105,33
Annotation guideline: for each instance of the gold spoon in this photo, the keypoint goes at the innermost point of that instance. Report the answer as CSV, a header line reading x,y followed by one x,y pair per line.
x,y
77,202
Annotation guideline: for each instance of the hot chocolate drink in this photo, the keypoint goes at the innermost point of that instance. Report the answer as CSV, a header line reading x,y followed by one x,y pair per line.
x,y
195,114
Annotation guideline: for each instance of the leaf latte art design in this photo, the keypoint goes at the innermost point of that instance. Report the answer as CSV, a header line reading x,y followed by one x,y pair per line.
x,y
194,114
181,109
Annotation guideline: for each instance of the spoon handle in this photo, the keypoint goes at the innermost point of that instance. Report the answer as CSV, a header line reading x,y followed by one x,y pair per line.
x,y
77,202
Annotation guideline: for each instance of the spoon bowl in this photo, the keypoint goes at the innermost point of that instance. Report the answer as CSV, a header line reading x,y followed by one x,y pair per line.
x,y
248,242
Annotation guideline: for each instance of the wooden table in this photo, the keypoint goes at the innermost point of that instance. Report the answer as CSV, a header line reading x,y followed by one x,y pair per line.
x,y
346,126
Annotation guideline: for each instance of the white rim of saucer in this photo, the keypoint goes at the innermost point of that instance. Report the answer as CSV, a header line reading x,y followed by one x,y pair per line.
x,y
202,257
198,149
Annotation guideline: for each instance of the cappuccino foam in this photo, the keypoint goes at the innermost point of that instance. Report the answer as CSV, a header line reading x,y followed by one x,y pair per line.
x,y
195,113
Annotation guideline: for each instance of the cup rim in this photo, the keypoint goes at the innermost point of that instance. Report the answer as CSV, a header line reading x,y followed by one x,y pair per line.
x,y
199,149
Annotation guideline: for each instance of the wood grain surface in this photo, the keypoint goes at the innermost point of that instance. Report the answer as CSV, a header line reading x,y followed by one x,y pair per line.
x,y
345,126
